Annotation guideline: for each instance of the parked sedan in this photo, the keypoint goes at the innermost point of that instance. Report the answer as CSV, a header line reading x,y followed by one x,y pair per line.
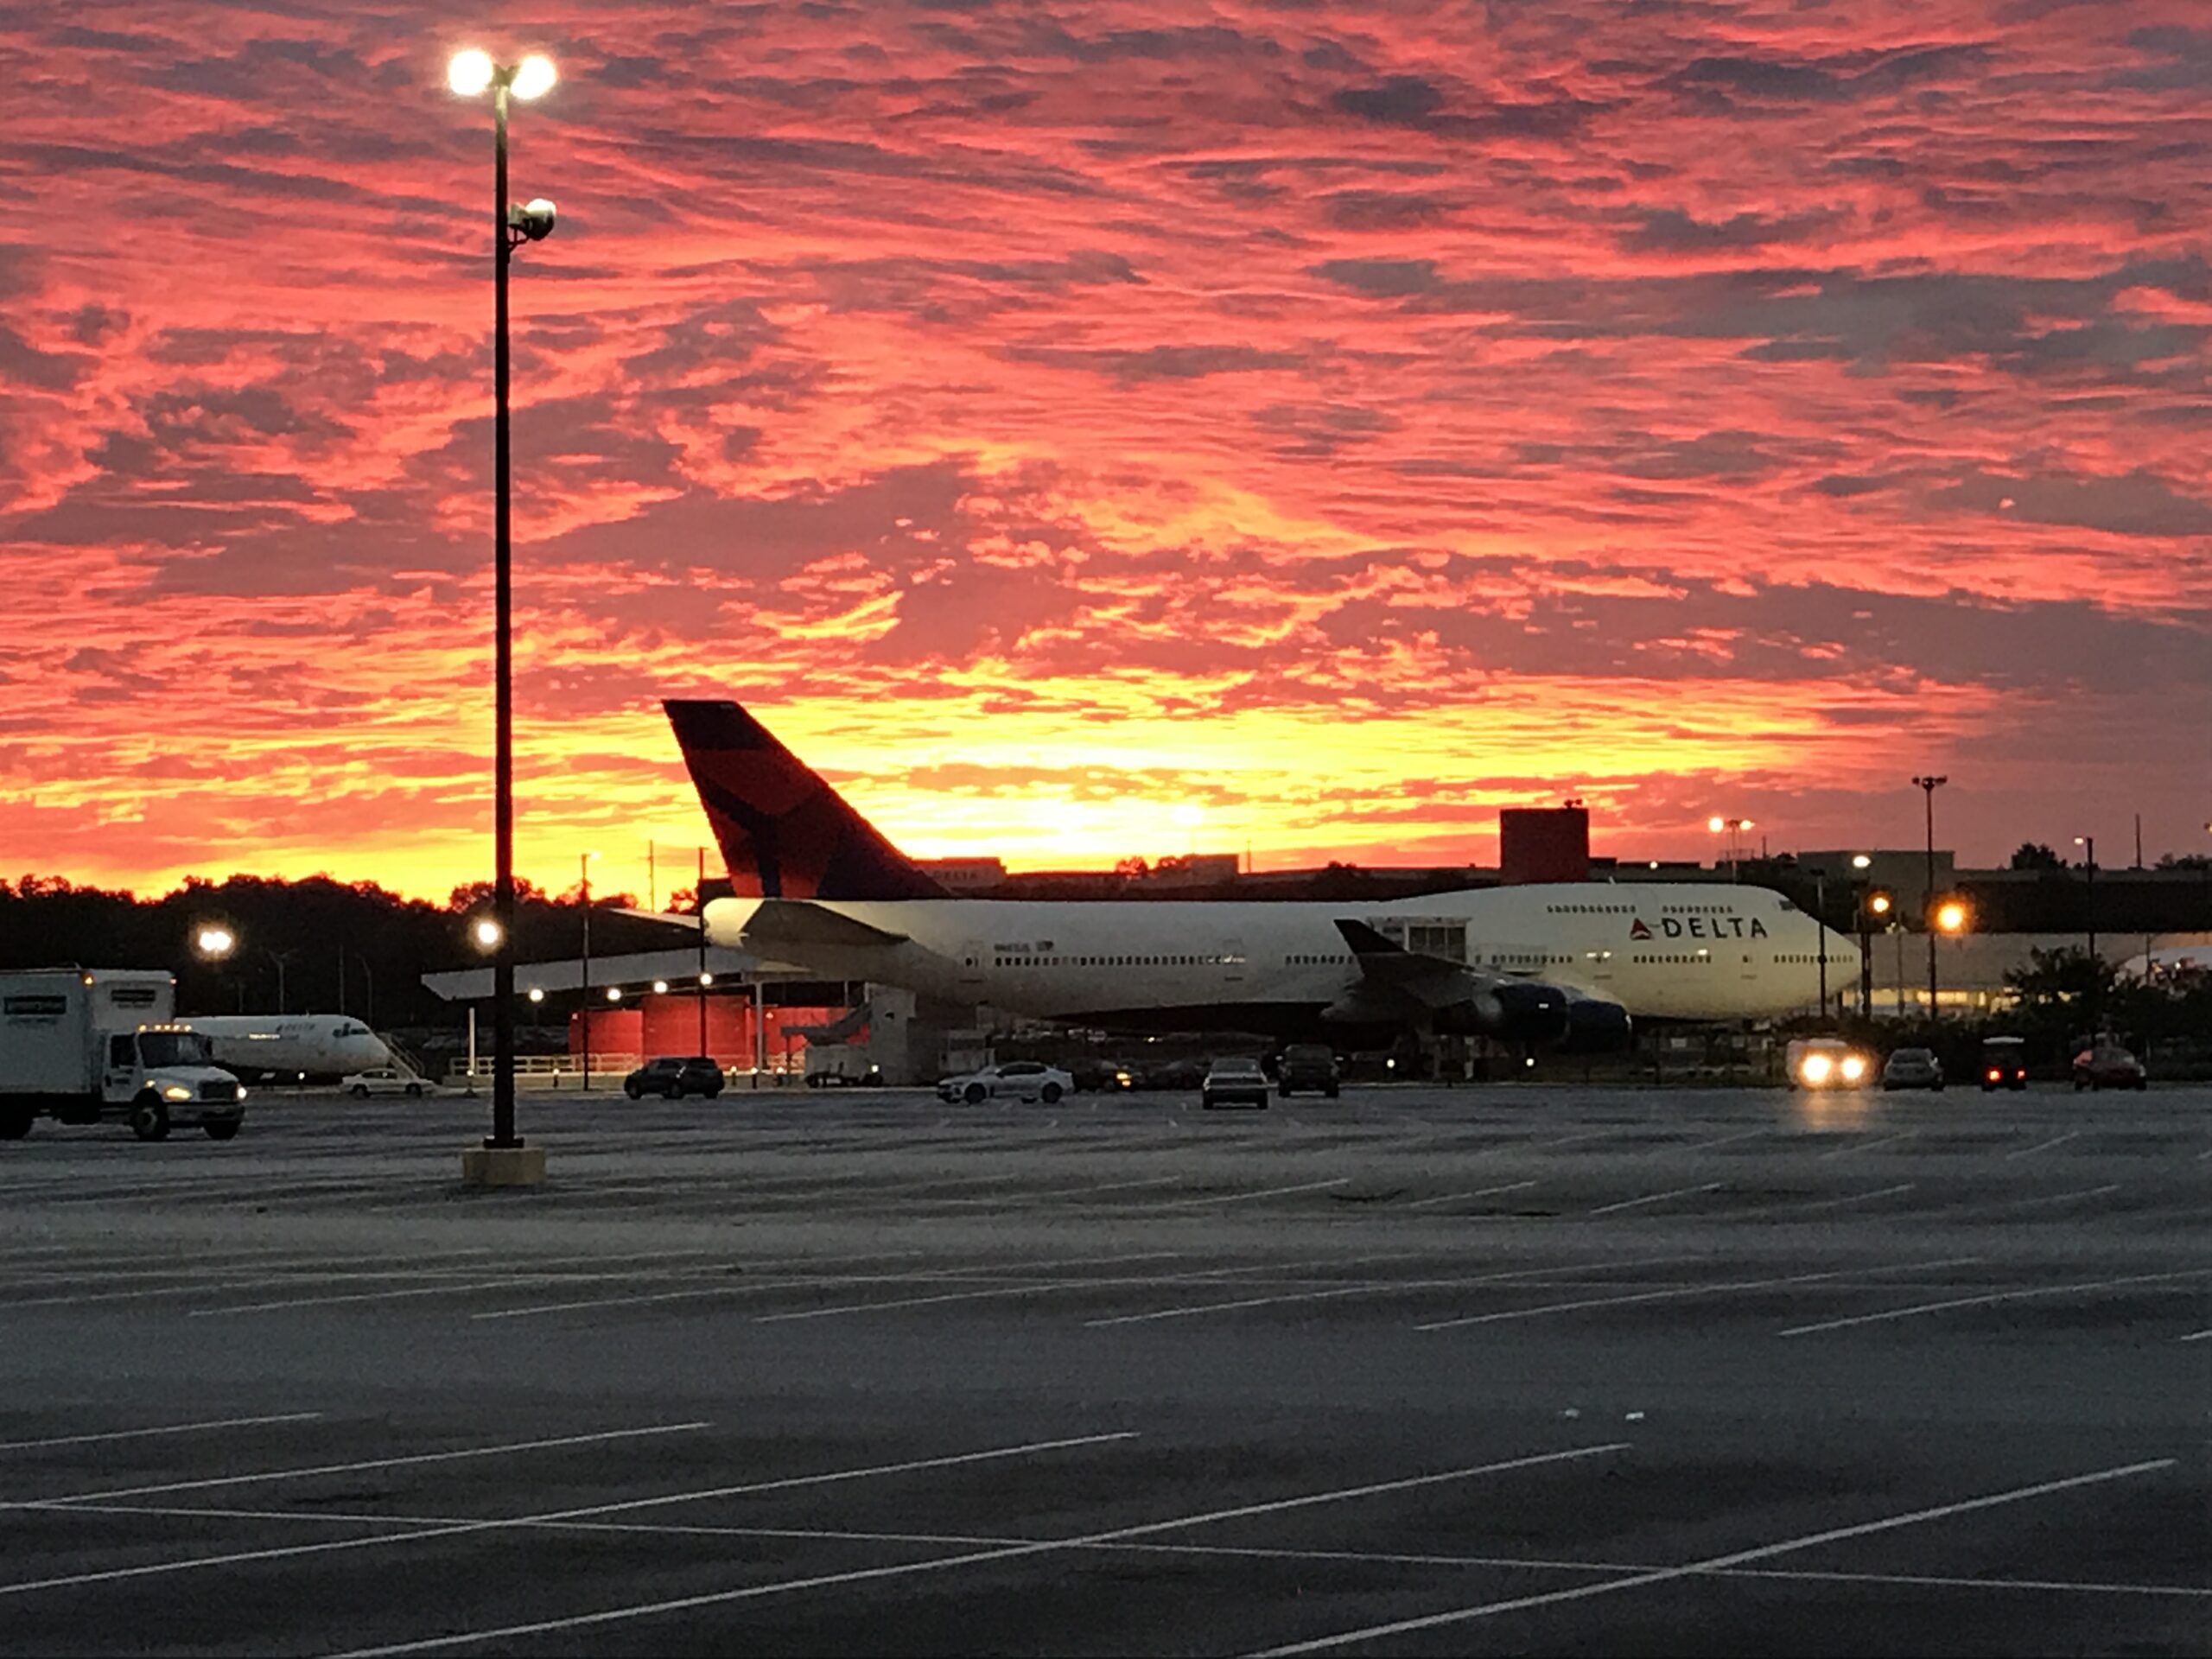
x,y
674,1075
2107,1065
1016,1079
381,1080
1230,1081
1913,1068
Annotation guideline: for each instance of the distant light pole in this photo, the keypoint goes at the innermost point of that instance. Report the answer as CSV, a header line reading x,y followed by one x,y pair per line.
x,y
212,943
1873,905
470,74
2088,846
583,884
1820,932
699,898
1734,829
1928,786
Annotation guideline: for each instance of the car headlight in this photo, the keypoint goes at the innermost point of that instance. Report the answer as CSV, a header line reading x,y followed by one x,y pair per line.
x,y
177,1091
1815,1068
1855,1068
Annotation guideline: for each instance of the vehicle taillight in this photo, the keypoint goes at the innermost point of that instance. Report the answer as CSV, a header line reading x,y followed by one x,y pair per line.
x,y
1996,1077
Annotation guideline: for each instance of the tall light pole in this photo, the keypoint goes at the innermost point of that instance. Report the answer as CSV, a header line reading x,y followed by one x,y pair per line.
x,y
212,943
2088,846
699,898
1928,786
1734,829
470,73
583,884
1870,905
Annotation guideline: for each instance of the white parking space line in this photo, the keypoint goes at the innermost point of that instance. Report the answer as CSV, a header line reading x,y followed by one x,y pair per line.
x,y
947,1563
1713,1564
1725,1140
2044,1146
1479,1193
1366,1287
2197,1335
1245,1552
1685,1290
2032,1204
1919,1308
1243,1197
508,1523
463,1288
1868,1145
1655,1198
1031,1287
170,1428
64,1498
1826,1203
768,1276
1069,1192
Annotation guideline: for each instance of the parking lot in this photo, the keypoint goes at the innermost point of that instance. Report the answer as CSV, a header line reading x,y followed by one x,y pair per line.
x,y
1528,1370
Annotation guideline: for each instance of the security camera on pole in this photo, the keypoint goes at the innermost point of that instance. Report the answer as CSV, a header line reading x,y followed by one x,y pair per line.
x,y
503,1160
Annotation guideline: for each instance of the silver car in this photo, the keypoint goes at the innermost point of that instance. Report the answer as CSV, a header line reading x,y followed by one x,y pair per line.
x,y
1229,1080
1025,1080
1913,1068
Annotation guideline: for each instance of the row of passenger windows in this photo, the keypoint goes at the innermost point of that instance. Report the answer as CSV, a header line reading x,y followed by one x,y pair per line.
x,y
1314,961
1702,957
1833,962
1111,962
1591,910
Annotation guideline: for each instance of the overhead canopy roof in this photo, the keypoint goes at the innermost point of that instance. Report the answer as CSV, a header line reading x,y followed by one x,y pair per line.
x,y
679,968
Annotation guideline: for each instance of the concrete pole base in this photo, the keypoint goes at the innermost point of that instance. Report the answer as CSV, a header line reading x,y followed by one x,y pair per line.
x,y
502,1165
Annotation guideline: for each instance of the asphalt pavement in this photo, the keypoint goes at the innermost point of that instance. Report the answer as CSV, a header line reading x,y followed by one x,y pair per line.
x,y
1528,1370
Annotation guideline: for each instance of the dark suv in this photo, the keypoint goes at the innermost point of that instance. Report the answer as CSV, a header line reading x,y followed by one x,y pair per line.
x,y
672,1076
1307,1065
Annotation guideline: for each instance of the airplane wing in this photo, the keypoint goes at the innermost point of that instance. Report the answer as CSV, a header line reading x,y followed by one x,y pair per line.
x,y
689,923
1433,981
798,923
1462,998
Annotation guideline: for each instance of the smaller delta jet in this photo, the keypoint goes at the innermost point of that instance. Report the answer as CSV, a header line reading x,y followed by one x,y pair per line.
x,y
816,886
289,1046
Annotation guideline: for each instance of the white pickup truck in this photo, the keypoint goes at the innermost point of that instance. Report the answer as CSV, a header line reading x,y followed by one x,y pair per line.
x,y
88,1044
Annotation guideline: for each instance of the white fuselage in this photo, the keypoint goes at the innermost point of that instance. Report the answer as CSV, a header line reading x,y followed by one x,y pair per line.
x,y
1663,951
292,1044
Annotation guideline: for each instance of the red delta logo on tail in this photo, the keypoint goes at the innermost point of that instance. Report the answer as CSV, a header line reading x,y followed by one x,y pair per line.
x,y
784,833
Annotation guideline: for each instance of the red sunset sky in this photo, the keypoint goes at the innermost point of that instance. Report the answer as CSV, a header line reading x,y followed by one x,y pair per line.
x,y
1340,420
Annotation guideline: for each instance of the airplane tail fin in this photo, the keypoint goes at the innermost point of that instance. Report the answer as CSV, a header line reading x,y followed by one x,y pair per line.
x,y
784,833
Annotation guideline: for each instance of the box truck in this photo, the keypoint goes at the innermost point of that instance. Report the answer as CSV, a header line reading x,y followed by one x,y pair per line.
x,y
92,1044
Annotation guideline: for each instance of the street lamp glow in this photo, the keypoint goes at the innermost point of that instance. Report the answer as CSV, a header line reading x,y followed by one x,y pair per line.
x,y
537,993
534,77
470,73
1716,824
215,942
1879,904
660,988
487,933
706,979
1859,861
1951,917
614,993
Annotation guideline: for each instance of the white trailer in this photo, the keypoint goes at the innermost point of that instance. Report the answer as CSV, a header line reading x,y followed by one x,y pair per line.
x,y
89,1044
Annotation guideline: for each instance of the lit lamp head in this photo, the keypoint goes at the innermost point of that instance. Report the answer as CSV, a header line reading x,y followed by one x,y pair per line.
x,y
1879,904
1861,861
706,979
614,993
215,942
1951,917
660,988
1716,824
471,73
486,933
538,993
